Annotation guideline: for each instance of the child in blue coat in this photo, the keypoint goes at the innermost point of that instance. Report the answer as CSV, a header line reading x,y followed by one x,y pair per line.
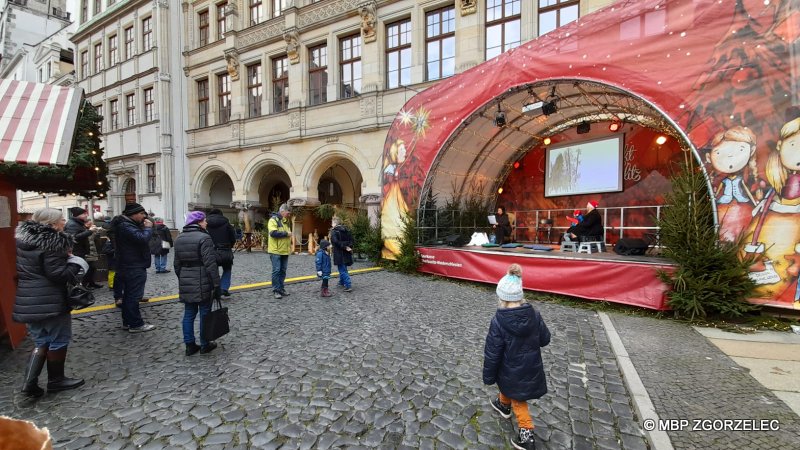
x,y
512,356
324,266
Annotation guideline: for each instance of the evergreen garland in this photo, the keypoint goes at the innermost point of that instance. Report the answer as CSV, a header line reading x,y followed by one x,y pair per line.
x,y
86,173
710,279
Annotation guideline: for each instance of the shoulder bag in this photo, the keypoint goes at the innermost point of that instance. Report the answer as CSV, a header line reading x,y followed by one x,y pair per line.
x,y
78,296
216,322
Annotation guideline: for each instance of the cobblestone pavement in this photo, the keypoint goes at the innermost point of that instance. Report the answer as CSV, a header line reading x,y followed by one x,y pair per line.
x,y
687,377
394,364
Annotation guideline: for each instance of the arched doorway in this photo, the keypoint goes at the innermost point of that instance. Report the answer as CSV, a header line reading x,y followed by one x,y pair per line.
x,y
129,189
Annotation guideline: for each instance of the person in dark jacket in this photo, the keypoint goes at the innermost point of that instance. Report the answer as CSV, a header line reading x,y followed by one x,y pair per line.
x,y
198,278
43,270
342,241
502,229
81,228
224,236
160,252
323,262
591,228
131,236
512,357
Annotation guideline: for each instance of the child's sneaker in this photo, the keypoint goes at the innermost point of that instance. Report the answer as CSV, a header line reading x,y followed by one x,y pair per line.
x,y
525,440
504,410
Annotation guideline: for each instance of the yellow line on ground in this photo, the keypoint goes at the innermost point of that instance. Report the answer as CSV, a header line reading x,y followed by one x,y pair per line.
x,y
235,288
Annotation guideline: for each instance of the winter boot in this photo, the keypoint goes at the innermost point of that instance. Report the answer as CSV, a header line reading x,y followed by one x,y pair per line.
x,y
326,293
56,381
525,440
30,386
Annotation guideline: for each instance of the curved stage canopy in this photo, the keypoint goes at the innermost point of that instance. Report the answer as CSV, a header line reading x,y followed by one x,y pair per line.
x,y
688,69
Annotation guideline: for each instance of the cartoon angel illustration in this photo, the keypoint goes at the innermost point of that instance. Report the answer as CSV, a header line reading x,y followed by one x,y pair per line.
x,y
394,208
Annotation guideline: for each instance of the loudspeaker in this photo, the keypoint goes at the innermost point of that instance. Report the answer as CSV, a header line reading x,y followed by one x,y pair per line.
x,y
631,247
456,240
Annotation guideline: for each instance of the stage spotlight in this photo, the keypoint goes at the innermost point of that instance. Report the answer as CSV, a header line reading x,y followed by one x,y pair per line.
x,y
517,165
500,191
661,140
583,127
549,108
499,117
546,141
615,126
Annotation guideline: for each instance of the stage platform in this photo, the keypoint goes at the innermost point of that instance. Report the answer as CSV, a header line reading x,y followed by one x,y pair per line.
x,y
605,276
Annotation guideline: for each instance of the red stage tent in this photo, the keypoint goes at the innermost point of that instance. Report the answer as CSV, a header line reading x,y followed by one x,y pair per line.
x,y
37,126
688,68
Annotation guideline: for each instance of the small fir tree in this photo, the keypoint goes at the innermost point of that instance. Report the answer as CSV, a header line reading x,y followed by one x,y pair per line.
x,y
710,279
409,260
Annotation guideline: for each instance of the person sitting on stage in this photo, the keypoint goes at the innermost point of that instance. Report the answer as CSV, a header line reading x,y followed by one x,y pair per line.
x,y
502,229
575,219
590,229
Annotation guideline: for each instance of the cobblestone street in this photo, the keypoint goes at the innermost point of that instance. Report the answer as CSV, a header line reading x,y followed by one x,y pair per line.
x,y
394,364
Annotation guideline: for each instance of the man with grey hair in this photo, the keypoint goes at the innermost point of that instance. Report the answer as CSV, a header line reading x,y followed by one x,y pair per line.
x,y
279,246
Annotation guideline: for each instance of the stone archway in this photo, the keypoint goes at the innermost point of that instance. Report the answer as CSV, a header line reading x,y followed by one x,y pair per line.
x,y
214,189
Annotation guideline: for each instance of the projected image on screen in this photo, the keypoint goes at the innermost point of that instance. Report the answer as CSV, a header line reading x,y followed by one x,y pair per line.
x,y
584,167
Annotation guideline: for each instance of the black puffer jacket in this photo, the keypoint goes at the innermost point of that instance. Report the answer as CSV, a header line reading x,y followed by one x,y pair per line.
x,y
591,226
195,265
77,228
512,357
341,238
223,235
43,272
131,249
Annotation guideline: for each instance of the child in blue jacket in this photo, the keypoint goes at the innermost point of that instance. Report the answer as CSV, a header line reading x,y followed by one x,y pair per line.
x,y
323,260
512,356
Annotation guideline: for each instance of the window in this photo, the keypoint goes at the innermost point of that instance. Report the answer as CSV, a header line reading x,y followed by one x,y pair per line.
x,y
48,69
254,90
502,26
280,84
555,13
85,63
148,104
97,6
114,107
98,58
277,7
147,34
350,65
318,75
151,178
84,10
224,97
130,106
41,74
129,42
221,20
398,54
112,50
256,12
440,54
202,20
202,103
99,109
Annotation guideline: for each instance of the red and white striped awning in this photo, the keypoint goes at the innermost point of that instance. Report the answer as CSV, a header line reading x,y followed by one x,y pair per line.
x,y
37,122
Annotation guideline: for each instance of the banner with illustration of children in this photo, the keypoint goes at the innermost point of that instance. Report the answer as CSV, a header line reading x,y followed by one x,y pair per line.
x,y
723,73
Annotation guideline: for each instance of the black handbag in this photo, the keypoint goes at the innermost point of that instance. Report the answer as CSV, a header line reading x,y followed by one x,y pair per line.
x,y
215,323
79,296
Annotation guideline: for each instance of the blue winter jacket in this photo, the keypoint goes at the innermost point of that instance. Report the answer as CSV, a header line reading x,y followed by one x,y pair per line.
x,y
131,240
512,356
323,261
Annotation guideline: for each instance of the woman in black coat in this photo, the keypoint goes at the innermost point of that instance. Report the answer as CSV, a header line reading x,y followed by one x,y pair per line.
x,y
160,253
342,241
198,278
502,230
43,271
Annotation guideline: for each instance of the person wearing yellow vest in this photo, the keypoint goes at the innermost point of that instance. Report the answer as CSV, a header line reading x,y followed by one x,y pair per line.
x,y
279,247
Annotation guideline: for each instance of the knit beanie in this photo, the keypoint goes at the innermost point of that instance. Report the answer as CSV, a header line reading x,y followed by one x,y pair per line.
x,y
195,217
509,288
132,208
323,244
76,211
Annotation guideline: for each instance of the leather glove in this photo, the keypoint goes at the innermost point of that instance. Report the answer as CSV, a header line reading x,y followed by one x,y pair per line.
x,y
319,273
217,293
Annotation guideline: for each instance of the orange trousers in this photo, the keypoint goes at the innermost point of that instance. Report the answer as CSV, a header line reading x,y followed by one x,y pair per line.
x,y
520,409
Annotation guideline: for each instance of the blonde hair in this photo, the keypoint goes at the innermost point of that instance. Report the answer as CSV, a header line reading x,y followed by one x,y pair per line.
x,y
776,173
515,269
47,216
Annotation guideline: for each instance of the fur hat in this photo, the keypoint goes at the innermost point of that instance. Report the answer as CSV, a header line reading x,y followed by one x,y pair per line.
x,y
76,211
195,217
323,244
132,208
509,288
592,203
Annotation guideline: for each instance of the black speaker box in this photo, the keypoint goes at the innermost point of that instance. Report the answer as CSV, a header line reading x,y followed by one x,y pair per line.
x,y
631,247
456,240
